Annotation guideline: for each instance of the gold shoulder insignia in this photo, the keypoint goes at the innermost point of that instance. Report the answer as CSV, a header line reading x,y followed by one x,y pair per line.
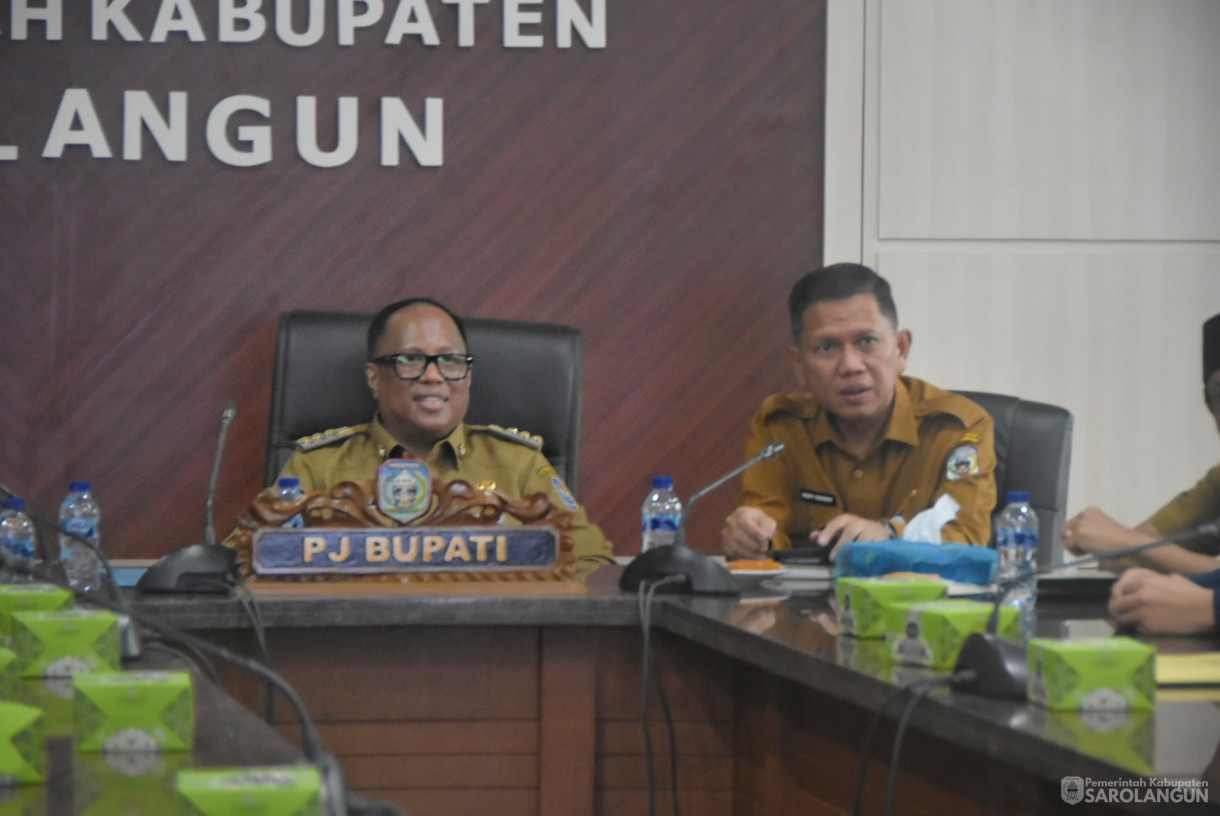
x,y
321,440
512,435
972,437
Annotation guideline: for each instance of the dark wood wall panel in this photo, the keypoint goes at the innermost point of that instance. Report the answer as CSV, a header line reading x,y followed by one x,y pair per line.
x,y
661,194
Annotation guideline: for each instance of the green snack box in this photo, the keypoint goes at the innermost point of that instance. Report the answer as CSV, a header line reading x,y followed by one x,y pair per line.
x,y
862,601
284,790
65,643
931,633
134,711
28,598
1125,738
1092,674
869,656
23,800
23,754
54,696
8,675
126,783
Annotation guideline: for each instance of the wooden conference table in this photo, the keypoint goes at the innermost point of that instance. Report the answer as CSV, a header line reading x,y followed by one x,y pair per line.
x,y
515,705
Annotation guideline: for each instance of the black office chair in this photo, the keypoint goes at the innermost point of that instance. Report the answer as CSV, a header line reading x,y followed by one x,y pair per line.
x,y
1033,447
526,375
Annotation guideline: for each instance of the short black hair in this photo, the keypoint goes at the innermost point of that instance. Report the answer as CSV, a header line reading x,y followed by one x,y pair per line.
x,y
838,282
382,319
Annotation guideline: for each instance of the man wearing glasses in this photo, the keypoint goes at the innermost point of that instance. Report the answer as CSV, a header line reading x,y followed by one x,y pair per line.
x,y
419,371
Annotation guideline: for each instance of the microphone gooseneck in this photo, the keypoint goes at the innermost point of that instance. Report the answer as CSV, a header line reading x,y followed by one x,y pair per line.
x,y
772,450
699,573
226,419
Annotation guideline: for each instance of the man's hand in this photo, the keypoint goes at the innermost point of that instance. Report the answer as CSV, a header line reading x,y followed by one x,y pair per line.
x,y
747,533
850,528
1092,531
1162,604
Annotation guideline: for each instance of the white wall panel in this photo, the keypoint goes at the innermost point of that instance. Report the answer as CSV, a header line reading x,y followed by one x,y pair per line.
x,y
1112,336
1045,119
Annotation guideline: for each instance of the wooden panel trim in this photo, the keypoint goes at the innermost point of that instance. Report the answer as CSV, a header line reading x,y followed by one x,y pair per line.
x,y
566,723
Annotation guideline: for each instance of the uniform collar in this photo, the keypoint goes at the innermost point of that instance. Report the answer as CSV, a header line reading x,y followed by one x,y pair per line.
x,y
453,445
902,426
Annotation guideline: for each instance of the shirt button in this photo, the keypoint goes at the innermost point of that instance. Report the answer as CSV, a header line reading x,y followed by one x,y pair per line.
x,y
858,473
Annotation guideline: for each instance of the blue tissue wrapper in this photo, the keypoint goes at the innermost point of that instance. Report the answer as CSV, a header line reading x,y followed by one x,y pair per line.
x,y
956,562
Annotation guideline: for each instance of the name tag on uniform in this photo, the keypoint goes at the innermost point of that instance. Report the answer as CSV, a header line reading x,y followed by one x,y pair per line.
x,y
365,550
817,497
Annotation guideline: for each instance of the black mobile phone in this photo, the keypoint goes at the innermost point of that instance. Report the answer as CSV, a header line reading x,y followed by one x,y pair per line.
x,y
809,554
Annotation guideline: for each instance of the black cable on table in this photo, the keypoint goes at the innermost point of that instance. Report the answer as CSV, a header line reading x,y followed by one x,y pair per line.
x,y
644,598
919,687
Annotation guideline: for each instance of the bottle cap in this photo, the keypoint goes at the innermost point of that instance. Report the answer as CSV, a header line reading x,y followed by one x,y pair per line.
x,y
78,487
15,503
288,483
1018,497
662,482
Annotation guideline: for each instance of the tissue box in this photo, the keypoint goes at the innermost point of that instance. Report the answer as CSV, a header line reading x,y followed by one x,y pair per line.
x,y
124,784
58,644
862,601
286,790
1092,674
955,562
54,696
134,711
23,754
28,598
931,633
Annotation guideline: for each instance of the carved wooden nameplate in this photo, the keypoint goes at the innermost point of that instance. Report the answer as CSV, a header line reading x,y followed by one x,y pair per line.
x,y
458,554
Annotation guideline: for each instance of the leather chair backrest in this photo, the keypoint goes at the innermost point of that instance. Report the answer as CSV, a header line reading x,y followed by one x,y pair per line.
x,y
526,375
1033,445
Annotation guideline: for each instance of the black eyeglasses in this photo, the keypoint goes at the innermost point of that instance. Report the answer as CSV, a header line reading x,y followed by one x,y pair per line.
x,y
411,365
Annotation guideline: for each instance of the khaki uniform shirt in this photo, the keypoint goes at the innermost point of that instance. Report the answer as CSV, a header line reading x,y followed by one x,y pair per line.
x,y
1198,505
487,457
936,443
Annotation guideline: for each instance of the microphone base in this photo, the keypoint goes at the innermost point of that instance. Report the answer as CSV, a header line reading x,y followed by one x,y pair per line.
x,y
703,575
1001,666
199,568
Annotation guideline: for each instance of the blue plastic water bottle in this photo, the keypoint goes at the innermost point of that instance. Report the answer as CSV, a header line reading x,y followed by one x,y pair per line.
x,y
80,514
660,515
288,488
17,536
1016,540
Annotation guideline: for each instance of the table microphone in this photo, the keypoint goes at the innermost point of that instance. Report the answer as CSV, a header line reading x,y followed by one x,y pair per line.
x,y
1001,666
226,419
703,575
205,567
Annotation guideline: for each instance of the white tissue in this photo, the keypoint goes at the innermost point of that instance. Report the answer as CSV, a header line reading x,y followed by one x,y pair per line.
x,y
925,527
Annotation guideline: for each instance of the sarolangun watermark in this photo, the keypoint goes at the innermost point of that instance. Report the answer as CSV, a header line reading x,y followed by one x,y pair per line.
x,y
1075,789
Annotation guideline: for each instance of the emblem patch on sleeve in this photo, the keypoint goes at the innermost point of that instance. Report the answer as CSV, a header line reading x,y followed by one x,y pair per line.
x,y
964,461
564,493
